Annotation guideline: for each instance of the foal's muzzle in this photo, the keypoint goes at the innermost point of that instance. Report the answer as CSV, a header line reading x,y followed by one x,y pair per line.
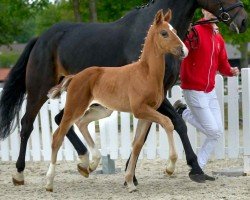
x,y
181,52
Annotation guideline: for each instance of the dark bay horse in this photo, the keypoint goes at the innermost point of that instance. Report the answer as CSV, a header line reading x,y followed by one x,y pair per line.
x,y
67,48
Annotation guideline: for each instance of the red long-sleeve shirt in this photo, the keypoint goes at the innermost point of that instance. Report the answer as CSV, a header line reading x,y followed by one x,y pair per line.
x,y
206,57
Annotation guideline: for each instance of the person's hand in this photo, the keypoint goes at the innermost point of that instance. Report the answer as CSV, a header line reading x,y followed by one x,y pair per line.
x,y
190,27
235,71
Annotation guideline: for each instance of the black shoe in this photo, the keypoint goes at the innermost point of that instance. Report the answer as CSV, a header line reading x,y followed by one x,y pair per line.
x,y
209,178
179,107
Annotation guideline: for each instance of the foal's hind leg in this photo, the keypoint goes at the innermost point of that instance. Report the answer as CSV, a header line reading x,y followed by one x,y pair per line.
x,y
82,151
138,142
68,120
94,113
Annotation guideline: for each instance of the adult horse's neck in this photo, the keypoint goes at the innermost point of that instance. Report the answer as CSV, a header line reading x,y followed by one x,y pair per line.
x,y
183,12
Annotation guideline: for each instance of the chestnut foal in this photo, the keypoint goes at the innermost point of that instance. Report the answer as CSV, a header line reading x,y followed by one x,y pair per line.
x,y
136,88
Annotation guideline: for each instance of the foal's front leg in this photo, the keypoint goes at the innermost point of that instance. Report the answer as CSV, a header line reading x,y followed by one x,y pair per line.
x,y
138,142
148,113
58,137
69,117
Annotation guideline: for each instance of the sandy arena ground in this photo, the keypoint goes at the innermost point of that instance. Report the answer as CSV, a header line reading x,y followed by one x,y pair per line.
x,y
153,184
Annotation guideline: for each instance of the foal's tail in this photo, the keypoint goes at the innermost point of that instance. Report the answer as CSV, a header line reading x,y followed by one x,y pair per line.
x,y
56,91
13,92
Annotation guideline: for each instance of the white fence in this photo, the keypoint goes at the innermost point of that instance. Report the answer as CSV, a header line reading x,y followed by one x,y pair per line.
x,y
115,134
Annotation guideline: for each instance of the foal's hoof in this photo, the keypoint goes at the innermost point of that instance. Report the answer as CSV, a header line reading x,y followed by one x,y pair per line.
x,y
168,172
198,178
49,189
131,188
83,171
17,182
134,181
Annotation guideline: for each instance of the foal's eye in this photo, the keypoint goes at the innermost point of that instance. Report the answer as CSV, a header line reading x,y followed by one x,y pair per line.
x,y
164,33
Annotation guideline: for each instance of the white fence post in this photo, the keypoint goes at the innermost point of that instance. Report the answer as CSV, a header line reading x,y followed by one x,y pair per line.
x,y
245,74
15,142
113,132
125,135
46,132
55,109
35,141
5,150
220,148
233,118
151,142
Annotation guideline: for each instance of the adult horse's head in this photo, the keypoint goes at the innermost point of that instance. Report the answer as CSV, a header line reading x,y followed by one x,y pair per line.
x,y
165,35
230,12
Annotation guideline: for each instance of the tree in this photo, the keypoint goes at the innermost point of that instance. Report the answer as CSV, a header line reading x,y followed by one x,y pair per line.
x,y
54,13
108,10
14,14
92,11
77,13
111,10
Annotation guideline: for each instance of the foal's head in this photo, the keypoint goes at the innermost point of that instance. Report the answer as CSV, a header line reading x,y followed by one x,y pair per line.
x,y
165,36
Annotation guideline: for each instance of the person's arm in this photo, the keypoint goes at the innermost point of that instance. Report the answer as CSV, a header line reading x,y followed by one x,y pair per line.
x,y
224,66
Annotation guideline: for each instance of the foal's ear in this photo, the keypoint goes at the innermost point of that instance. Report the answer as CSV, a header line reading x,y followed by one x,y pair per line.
x,y
168,16
159,17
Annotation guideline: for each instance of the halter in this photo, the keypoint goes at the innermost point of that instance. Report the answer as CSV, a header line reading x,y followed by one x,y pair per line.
x,y
224,15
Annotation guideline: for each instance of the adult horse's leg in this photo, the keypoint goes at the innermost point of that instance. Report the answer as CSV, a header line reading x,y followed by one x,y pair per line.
x,y
21,80
36,89
196,174
33,106
80,148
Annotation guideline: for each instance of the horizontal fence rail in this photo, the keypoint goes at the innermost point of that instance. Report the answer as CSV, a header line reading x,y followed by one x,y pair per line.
x,y
115,134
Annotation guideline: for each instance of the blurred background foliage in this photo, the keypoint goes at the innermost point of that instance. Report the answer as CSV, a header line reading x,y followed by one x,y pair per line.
x,y
21,20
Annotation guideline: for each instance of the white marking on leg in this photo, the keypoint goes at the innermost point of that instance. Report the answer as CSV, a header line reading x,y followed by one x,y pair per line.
x,y
173,156
96,155
18,176
50,176
84,160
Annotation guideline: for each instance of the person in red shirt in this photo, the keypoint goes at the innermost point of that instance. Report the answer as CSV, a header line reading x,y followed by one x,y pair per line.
x,y
207,56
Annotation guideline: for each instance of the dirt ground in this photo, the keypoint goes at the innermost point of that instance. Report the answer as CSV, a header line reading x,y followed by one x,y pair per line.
x,y
153,184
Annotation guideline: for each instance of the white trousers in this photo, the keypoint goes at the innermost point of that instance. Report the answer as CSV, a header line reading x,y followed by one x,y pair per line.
x,y
204,113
